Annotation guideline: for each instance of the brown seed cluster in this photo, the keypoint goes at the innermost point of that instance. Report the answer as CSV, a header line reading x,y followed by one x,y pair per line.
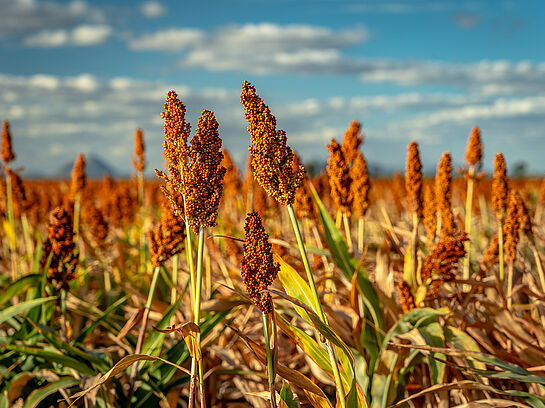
x,y
474,149
303,204
406,297
430,214
139,161
21,204
499,187
491,253
360,186
443,191
272,159
440,265
413,180
339,177
176,131
203,186
60,247
352,141
232,182
7,148
511,227
167,238
195,171
258,267
97,224
79,179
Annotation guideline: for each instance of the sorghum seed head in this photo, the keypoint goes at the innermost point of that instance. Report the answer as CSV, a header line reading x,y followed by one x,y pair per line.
x,y
303,204
360,186
7,148
139,162
474,149
60,246
272,159
352,141
443,191
511,227
406,296
79,180
339,177
430,214
203,180
258,267
167,238
413,180
440,265
499,186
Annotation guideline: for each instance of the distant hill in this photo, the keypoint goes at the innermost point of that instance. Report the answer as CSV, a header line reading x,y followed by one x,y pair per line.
x,y
95,168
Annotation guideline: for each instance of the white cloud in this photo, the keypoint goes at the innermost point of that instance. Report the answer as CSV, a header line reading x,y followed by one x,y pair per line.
x,y
152,9
83,110
20,17
82,35
175,39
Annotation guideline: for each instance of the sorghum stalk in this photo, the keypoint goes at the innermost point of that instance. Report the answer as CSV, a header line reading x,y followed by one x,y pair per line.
x,y
145,318
270,363
499,202
272,161
474,154
11,219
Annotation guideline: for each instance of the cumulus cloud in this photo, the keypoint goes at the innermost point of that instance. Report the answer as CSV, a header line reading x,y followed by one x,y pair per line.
x,y
175,39
466,20
152,9
85,113
20,17
82,35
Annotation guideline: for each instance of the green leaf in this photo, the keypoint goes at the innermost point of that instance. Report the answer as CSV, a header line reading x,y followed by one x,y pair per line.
x,y
153,343
434,336
14,310
388,376
463,341
53,357
41,393
96,322
372,338
19,286
287,396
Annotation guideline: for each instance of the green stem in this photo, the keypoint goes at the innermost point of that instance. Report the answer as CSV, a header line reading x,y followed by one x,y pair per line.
x,y
142,332
197,315
467,244
174,279
63,314
11,220
347,231
317,305
270,363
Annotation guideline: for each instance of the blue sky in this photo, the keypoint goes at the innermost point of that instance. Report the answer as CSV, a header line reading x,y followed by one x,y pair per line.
x,y
81,76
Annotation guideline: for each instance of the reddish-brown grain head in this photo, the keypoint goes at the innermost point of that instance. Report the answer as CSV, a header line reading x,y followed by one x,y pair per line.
x,y
499,186
339,177
352,141
413,180
272,159
7,148
443,194
258,268
139,162
474,149
360,185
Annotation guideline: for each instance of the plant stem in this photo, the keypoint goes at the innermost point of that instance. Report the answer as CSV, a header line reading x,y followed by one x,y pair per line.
x,y
174,279
77,208
317,305
509,285
467,244
361,232
270,362
142,332
500,249
11,219
539,268
63,315
196,317
347,231
414,250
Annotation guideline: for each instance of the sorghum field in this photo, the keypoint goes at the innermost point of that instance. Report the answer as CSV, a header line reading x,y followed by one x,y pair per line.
x,y
223,287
